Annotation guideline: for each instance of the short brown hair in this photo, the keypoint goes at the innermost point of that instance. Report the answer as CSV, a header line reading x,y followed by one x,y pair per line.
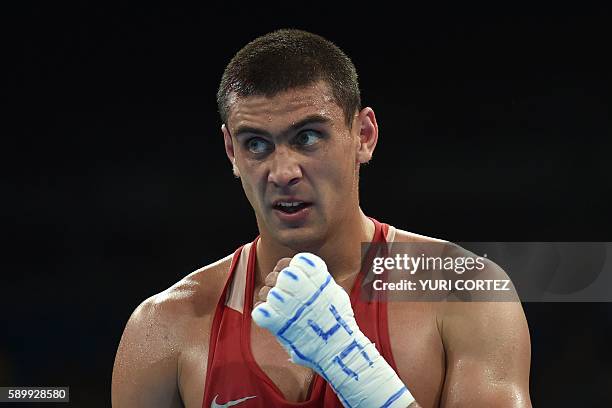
x,y
287,59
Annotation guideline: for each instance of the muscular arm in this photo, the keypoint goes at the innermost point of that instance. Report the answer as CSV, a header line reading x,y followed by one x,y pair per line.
x,y
145,371
488,355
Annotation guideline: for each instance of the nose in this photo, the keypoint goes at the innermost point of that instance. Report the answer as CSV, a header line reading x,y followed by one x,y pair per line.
x,y
285,169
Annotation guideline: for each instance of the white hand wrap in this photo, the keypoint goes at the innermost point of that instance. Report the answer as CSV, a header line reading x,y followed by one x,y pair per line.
x,y
311,316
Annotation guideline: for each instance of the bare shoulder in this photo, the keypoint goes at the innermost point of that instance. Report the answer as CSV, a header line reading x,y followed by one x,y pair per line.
x,y
147,362
194,296
471,266
483,270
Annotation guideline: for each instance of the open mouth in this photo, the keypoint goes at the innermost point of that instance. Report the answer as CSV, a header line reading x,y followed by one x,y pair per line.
x,y
290,207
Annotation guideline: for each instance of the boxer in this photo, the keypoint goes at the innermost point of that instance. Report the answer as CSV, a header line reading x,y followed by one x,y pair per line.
x,y
279,322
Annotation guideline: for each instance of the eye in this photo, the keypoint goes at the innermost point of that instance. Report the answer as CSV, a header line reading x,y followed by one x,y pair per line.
x,y
307,138
257,145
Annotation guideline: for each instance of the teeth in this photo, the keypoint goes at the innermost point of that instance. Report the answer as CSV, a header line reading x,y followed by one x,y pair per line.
x,y
292,204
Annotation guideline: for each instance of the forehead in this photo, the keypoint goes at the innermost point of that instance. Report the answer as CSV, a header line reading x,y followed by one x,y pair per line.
x,y
287,107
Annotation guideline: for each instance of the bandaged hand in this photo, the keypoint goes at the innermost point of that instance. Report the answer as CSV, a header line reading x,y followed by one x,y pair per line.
x,y
312,318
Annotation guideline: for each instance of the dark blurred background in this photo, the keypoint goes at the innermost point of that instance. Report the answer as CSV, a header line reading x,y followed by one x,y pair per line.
x,y
116,182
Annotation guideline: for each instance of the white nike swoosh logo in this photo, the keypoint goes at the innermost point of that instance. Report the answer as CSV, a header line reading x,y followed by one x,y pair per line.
x,y
214,404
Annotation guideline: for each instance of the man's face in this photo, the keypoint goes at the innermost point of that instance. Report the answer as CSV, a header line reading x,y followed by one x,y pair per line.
x,y
298,162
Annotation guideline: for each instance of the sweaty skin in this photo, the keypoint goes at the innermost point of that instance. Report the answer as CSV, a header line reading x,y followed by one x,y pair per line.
x,y
448,354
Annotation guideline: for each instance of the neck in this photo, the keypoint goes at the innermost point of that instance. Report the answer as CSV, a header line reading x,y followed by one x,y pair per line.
x,y
341,251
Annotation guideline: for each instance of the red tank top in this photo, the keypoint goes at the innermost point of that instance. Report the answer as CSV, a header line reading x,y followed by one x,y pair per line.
x,y
234,378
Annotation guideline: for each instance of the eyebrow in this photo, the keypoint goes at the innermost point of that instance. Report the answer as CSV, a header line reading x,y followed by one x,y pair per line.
x,y
308,120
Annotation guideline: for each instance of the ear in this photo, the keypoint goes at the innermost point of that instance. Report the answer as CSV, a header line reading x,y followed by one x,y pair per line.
x,y
229,149
368,134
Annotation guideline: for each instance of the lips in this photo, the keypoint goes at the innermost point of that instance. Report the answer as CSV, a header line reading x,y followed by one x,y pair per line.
x,y
290,205
292,210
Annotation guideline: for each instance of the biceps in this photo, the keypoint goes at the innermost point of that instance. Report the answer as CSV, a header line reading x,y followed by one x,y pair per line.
x,y
488,356
144,385
144,374
474,384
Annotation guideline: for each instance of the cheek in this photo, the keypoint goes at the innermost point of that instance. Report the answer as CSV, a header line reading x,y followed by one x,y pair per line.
x,y
336,170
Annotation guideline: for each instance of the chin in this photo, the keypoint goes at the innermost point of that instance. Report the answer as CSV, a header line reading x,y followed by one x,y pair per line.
x,y
300,239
